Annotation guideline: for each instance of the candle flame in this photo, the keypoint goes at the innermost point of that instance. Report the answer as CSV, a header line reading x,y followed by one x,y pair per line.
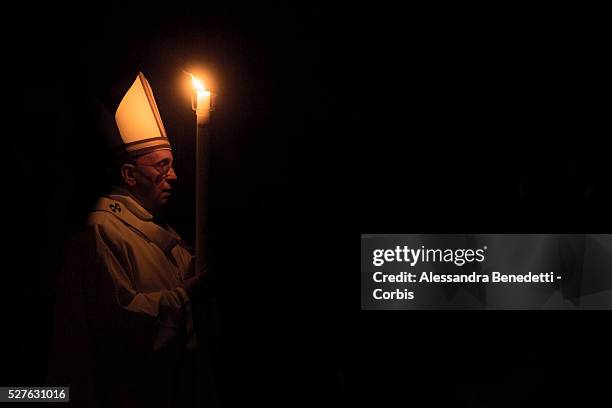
x,y
198,85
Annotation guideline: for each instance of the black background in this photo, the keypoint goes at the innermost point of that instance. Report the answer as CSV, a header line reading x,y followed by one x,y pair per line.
x,y
330,123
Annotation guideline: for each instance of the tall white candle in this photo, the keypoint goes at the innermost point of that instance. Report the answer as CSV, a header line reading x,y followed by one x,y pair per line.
x,y
202,107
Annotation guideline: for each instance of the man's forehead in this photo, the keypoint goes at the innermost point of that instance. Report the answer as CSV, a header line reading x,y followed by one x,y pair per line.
x,y
155,157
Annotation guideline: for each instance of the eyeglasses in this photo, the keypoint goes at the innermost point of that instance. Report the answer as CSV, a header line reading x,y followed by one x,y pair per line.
x,y
162,169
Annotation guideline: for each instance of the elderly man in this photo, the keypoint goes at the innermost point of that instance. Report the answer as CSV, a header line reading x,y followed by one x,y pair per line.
x,y
124,332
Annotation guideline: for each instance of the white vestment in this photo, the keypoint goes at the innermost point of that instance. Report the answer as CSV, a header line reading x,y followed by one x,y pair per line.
x,y
124,326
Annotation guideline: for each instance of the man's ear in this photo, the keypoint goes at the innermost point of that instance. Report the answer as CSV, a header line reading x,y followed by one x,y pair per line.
x,y
128,173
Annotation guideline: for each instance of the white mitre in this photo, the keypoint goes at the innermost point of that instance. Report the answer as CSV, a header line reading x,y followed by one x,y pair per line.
x,y
139,122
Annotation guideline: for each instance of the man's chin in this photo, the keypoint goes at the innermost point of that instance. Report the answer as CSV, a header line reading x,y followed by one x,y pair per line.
x,y
161,202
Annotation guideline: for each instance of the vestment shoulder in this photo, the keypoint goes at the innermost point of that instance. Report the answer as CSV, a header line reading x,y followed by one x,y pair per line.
x,y
106,226
101,218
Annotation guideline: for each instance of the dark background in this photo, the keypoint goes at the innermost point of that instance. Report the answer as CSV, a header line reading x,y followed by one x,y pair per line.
x,y
330,123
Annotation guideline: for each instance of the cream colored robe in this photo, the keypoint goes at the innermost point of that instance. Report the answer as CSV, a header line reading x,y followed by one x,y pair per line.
x,y
124,327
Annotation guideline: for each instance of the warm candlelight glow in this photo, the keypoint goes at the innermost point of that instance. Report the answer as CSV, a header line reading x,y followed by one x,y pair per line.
x,y
203,99
197,83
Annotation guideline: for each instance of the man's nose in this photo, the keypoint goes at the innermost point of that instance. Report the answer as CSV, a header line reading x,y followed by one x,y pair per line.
x,y
172,175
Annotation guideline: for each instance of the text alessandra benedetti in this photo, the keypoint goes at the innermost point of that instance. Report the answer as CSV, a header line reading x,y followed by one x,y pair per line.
x,y
495,277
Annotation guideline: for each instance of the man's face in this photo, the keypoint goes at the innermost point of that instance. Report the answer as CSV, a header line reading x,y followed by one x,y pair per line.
x,y
154,173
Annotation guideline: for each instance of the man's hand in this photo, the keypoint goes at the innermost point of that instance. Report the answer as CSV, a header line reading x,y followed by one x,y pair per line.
x,y
200,282
193,284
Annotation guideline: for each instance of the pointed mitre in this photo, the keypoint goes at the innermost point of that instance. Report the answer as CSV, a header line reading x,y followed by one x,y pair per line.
x,y
139,122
